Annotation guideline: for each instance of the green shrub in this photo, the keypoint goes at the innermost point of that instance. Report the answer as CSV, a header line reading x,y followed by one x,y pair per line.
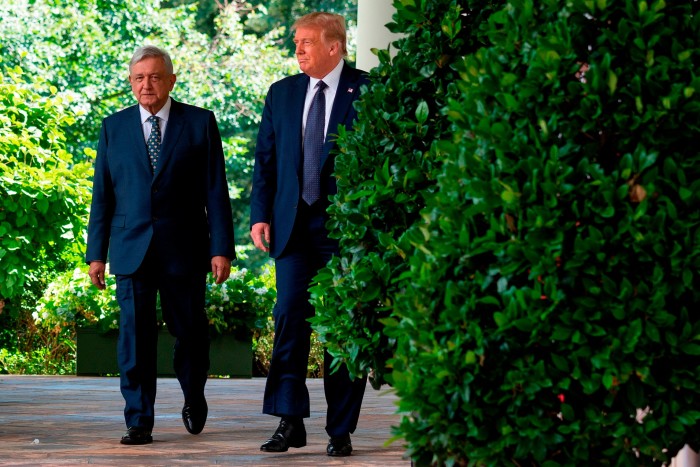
x,y
555,272
263,340
243,303
42,191
71,301
242,306
42,213
39,361
386,168
237,306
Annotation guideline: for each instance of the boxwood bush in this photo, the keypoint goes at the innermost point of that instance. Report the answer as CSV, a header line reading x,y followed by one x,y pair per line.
x,y
547,314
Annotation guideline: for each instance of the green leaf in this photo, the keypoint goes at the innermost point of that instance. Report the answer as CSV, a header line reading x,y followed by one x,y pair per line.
x,y
422,112
500,319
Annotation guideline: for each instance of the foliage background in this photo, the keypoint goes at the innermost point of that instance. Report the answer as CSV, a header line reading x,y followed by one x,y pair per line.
x,y
64,67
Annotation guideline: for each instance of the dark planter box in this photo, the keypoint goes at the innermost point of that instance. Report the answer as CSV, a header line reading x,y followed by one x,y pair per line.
x,y
97,354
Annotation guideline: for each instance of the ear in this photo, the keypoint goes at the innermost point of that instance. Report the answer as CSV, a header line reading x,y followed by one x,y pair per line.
x,y
173,78
335,49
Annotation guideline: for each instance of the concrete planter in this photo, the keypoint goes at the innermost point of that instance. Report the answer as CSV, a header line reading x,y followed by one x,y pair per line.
x,y
97,354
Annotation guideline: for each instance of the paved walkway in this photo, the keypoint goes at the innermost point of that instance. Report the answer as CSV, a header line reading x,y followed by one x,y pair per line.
x,y
69,420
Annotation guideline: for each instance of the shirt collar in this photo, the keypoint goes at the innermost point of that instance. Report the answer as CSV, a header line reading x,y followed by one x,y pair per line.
x,y
163,113
331,79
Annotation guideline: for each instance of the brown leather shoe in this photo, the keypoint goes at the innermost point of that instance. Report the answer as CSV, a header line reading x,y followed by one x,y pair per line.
x,y
339,446
287,435
137,435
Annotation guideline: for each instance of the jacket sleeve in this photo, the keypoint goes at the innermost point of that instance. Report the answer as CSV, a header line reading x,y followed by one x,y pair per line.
x,y
265,170
218,200
103,203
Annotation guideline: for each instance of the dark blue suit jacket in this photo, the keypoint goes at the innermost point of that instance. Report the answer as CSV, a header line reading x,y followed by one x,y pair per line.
x,y
278,154
182,210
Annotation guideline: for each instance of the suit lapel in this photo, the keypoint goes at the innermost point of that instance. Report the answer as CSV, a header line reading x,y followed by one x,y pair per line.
x,y
135,129
297,98
172,134
345,95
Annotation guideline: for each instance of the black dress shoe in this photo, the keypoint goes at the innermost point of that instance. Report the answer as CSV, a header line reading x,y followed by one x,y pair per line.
x,y
137,435
288,435
194,416
339,446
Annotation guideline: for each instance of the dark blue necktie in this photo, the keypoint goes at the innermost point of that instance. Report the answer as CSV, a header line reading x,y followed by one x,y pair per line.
x,y
153,143
314,137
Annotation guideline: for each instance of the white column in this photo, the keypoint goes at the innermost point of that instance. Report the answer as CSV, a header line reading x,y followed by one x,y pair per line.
x,y
372,15
686,457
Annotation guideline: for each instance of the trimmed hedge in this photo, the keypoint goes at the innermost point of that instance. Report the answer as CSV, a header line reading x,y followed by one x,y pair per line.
x,y
548,315
527,284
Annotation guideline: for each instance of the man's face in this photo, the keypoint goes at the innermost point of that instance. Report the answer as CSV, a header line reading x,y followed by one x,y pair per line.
x,y
151,83
316,57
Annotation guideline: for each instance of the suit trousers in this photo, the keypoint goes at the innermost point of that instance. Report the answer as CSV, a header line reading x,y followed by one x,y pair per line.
x,y
182,305
286,394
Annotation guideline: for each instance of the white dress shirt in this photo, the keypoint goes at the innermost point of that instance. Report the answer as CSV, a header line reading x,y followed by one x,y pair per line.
x,y
162,115
332,80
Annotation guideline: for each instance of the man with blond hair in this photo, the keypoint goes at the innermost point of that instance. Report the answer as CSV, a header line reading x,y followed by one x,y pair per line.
x,y
292,182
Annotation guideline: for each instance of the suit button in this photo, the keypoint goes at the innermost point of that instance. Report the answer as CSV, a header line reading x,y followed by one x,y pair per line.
x,y
155,219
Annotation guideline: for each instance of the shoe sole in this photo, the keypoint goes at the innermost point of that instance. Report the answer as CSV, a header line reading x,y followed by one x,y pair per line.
x,y
296,445
130,442
339,454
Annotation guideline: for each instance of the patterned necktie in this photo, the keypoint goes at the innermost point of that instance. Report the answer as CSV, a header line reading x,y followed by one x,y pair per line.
x,y
153,143
314,136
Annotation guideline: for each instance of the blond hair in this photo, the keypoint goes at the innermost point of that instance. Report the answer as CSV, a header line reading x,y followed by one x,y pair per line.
x,y
332,27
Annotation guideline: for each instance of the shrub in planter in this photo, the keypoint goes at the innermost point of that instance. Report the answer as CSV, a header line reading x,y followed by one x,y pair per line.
x,y
237,306
549,314
240,306
71,301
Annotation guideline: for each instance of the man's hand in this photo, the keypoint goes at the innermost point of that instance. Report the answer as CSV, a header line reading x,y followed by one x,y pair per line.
x,y
97,274
260,233
220,268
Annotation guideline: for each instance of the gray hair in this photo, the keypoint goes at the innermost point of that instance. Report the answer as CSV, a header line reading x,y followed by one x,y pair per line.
x,y
151,51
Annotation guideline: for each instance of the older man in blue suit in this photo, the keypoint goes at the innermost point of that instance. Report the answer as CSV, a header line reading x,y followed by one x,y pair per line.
x,y
161,211
292,182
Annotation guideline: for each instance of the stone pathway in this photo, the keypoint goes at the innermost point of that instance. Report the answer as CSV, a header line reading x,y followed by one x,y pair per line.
x,y
69,420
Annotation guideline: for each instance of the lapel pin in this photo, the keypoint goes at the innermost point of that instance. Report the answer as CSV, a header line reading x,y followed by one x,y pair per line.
x,y
349,89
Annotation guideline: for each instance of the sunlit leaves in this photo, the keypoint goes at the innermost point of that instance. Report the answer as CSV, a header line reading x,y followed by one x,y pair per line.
x,y
43,193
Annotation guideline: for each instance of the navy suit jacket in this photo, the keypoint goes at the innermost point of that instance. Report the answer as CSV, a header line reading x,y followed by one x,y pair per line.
x,y
278,153
182,210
